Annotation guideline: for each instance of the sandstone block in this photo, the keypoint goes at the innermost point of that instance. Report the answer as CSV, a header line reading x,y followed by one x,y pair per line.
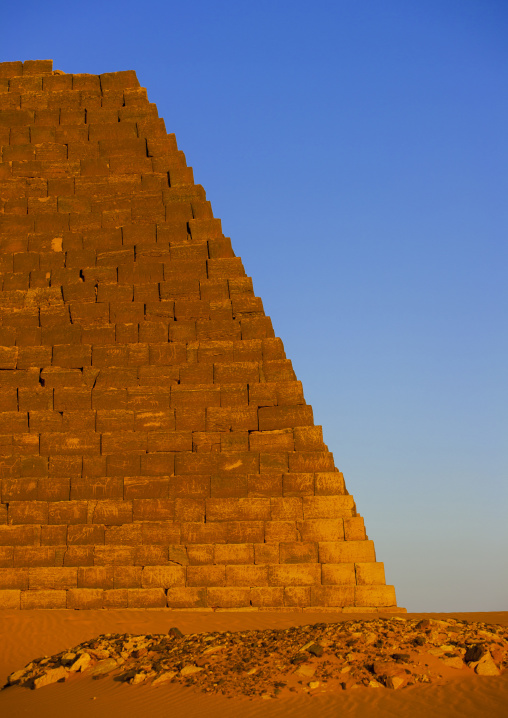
x,y
321,529
298,552
332,596
328,507
237,509
374,596
267,596
354,529
342,574
96,577
10,598
347,552
284,417
249,575
296,575
296,596
228,597
115,598
52,578
206,575
146,598
43,599
85,598
163,576
368,574
14,578
233,554
180,597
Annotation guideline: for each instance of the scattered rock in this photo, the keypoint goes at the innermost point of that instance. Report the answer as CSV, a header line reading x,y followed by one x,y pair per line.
x,y
390,653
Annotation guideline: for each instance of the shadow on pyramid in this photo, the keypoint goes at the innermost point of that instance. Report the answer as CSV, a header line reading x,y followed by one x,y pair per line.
x,y
156,447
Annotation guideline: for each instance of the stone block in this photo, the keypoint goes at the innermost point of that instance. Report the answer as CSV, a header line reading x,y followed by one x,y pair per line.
x,y
341,574
206,576
354,529
284,417
55,579
146,598
247,575
328,507
321,529
96,577
296,596
347,552
330,483
43,599
298,552
85,598
10,599
162,576
267,596
295,575
228,597
332,596
185,597
381,596
115,598
237,509
14,578
231,554
368,574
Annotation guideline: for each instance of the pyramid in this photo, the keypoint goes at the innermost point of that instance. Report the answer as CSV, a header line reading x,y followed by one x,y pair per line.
x,y
156,449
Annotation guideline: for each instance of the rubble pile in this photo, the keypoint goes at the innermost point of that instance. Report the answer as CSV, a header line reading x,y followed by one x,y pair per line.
x,y
389,653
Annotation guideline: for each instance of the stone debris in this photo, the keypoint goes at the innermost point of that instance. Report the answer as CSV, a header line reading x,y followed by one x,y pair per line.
x,y
391,653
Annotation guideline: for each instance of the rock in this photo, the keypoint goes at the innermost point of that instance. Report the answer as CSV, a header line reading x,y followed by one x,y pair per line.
x,y
475,653
374,684
402,657
104,667
137,679
455,662
67,659
314,684
315,649
387,668
16,676
52,675
487,667
190,670
306,669
82,663
163,678
175,632
394,682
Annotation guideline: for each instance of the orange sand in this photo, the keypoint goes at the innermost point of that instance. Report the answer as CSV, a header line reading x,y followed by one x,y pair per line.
x,y
29,634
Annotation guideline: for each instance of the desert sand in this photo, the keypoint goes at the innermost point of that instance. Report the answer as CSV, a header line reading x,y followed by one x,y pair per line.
x,y
29,634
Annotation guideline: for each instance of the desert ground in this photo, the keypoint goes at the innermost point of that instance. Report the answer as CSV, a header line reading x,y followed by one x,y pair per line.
x,y
30,634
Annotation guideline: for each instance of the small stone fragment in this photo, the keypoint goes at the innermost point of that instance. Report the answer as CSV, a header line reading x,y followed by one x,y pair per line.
x,y
175,632
190,670
305,670
314,684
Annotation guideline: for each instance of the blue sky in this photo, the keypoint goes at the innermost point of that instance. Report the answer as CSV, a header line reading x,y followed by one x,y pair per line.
x,y
357,153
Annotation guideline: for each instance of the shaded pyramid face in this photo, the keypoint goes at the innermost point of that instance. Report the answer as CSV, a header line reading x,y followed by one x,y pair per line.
x,y
156,448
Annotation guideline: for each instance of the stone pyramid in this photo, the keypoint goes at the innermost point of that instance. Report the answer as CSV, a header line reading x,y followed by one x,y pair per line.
x,y
156,448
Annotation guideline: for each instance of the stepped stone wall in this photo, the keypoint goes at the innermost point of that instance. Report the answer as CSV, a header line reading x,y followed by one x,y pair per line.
x,y
156,448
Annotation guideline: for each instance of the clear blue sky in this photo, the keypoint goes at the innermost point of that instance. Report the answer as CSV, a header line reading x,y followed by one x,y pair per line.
x,y
357,153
